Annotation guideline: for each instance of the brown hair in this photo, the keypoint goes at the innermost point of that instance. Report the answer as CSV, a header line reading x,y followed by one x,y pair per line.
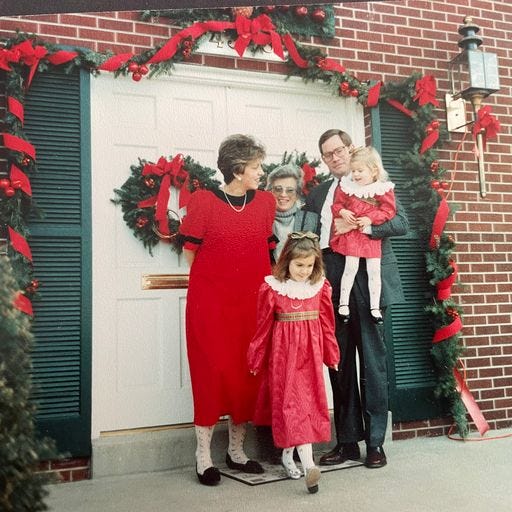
x,y
344,136
300,244
235,152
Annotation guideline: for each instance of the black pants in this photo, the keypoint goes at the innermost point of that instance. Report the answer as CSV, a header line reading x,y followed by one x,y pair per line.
x,y
360,411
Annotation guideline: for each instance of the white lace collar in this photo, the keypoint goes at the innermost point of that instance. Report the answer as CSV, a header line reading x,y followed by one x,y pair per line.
x,y
376,188
294,289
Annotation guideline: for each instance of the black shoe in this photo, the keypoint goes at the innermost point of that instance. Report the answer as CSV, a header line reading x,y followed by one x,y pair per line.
x,y
375,457
340,454
251,466
211,476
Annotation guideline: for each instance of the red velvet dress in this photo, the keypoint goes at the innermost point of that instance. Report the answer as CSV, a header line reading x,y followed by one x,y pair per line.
x,y
376,201
294,338
232,258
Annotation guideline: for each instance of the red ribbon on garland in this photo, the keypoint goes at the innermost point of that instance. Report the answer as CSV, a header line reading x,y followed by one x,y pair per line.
x,y
115,62
293,52
447,331
19,243
399,106
15,107
426,91
29,55
18,175
23,303
470,403
61,57
17,144
327,64
374,95
432,137
173,173
259,30
439,222
444,287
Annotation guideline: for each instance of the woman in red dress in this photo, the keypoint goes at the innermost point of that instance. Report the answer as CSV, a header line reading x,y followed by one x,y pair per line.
x,y
228,238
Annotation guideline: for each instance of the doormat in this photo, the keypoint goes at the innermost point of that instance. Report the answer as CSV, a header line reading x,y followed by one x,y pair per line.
x,y
276,473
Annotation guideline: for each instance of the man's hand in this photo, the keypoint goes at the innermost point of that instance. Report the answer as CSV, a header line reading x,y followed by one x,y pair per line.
x,y
363,222
341,226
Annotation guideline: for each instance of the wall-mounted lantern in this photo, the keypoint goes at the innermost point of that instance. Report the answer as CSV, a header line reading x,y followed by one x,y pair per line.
x,y
473,76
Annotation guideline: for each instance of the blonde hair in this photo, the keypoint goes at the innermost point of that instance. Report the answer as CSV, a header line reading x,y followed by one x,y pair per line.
x,y
370,157
300,244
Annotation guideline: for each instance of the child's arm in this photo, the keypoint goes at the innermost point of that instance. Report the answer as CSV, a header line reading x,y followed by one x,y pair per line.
x,y
257,353
331,350
385,211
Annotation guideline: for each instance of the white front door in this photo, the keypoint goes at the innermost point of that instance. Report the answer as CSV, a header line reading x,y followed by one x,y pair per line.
x,y
140,372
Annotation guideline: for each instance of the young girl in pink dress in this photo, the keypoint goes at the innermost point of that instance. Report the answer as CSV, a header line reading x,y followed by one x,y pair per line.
x,y
294,338
363,199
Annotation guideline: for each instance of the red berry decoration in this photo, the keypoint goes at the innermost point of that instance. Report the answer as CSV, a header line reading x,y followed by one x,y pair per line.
x,y
143,69
435,184
133,67
434,166
4,183
444,185
301,11
435,124
269,8
242,11
141,222
354,93
186,53
9,191
195,183
25,161
187,43
149,182
136,77
318,15
345,86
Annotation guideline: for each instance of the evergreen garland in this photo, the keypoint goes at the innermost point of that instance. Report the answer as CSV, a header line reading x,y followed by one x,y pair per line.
x,y
424,170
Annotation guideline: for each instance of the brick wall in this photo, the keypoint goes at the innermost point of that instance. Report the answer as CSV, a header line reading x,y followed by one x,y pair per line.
x,y
390,40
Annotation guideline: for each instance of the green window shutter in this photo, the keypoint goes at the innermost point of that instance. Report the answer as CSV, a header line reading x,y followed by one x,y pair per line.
x,y
57,123
409,336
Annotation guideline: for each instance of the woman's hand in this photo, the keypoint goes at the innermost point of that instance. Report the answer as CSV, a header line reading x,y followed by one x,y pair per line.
x,y
363,222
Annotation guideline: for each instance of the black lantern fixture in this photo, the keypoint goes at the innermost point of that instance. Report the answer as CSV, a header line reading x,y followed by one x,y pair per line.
x,y
473,76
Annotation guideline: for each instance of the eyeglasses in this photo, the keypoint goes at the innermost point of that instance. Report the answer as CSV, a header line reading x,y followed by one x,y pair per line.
x,y
289,191
337,152
299,235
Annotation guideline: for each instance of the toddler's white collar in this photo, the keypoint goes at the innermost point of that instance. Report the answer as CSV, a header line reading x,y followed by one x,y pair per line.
x,y
376,188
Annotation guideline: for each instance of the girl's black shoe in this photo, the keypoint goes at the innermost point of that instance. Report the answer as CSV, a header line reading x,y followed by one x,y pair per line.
x,y
251,466
211,476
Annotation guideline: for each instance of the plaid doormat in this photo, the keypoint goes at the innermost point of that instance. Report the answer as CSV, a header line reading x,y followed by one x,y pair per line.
x,y
275,473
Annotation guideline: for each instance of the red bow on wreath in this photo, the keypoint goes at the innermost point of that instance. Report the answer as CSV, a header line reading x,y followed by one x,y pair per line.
x,y
173,173
308,179
260,30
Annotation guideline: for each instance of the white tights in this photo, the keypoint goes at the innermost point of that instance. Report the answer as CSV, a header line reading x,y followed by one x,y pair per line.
x,y
236,445
349,275
305,452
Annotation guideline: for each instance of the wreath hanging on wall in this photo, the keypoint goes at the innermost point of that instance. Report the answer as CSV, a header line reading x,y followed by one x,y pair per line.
x,y
23,55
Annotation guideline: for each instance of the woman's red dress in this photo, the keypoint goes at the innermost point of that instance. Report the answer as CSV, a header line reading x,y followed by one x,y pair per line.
x,y
232,258
290,355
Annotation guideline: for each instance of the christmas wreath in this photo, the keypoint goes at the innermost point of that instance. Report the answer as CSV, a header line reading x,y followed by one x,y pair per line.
x,y
144,196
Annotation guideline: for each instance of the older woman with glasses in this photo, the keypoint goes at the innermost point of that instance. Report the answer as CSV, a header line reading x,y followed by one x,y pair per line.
x,y
285,182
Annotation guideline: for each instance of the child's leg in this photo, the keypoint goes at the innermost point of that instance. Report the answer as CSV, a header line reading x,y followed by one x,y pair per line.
x,y
347,281
289,464
374,285
203,451
311,471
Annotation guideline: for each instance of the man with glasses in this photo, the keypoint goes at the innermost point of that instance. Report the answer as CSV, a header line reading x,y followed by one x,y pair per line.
x,y
360,408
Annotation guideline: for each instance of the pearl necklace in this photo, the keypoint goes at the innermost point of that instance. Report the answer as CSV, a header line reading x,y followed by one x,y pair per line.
x,y
231,204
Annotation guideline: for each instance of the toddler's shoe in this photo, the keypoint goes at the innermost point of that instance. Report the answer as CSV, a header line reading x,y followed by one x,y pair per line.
x,y
312,478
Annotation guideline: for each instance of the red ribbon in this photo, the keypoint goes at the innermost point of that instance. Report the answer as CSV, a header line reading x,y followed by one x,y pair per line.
x,y
439,222
293,52
486,123
470,403
374,95
7,56
61,57
426,91
402,108
19,243
330,65
16,108
18,174
259,30
448,331
431,138
23,303
444,287
173,173
30,55
115,62
17,144
309,173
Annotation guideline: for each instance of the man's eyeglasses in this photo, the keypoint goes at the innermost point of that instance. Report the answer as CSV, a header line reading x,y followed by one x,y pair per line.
x,y
337,152
289,191
299,235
